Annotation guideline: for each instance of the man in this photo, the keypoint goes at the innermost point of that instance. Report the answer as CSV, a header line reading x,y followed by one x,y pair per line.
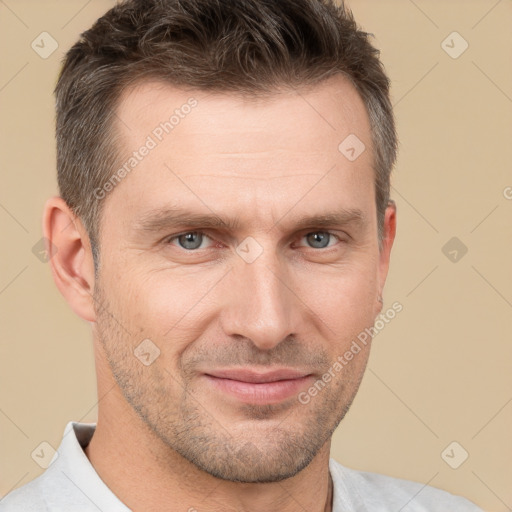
x,y
224,225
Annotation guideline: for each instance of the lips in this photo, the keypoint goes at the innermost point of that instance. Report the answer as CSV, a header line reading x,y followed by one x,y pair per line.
x,y
253,376
258,387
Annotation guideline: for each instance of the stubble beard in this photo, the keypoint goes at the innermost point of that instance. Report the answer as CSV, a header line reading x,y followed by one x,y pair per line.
x,y
280,442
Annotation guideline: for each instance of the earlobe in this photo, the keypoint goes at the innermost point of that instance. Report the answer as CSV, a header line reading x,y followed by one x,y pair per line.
x,y
70,257
379,304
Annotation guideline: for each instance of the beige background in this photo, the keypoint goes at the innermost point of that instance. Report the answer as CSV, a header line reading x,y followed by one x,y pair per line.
x,y
439,372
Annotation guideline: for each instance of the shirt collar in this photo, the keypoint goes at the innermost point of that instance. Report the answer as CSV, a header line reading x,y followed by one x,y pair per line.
x,y
75,475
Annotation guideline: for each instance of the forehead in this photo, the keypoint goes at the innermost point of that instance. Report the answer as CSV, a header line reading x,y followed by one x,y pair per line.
x,y
213,150
318,113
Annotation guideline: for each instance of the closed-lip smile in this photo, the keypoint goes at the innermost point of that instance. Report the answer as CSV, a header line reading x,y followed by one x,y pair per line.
x,y
257,386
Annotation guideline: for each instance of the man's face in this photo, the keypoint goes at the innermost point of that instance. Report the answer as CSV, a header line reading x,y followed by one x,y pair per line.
x,y
247,314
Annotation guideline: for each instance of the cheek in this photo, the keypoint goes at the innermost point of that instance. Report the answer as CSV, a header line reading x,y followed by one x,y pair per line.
x,y
343,298
168,307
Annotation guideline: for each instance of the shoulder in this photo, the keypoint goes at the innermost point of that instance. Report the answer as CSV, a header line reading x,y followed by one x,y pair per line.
x,y
27,498
56,488
381,493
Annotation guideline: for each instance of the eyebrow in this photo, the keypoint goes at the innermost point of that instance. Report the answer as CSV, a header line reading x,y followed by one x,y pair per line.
x,y
166,218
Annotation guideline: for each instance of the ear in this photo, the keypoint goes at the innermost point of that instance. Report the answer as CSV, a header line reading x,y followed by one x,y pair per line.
x,y
70,257
389,232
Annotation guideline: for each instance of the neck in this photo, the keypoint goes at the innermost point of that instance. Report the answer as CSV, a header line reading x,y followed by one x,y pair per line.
x,y
328,501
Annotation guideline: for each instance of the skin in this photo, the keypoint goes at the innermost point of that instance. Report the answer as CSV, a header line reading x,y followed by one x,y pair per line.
x,y
166,437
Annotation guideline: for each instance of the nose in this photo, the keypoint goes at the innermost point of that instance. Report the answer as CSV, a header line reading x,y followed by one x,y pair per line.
x,y
260,303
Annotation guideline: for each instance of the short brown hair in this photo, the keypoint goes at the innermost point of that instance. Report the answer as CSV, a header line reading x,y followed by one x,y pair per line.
x,y
250,47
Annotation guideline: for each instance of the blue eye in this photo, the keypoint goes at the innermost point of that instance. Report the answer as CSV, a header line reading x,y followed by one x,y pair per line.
x,y
319,239
191,240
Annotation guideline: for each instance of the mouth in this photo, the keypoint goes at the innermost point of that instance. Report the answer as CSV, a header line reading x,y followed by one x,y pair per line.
x,y
259,387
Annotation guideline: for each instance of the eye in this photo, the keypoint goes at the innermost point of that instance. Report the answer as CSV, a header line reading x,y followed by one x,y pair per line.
x,y
320,239
193,240
190,240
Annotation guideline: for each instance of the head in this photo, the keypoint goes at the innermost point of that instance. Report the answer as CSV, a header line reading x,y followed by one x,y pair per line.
x,y
226,168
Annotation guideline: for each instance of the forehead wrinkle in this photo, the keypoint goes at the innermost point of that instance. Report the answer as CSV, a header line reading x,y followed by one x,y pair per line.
x,y
261,178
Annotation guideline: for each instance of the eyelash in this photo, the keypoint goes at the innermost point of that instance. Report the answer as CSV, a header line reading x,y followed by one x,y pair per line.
x,y
169,239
